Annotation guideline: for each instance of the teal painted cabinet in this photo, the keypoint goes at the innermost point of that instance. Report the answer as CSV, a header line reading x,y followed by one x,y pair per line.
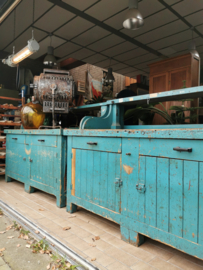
x,y
38,159
148,181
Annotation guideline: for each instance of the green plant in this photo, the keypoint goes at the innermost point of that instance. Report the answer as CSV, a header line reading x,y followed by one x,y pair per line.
x,y
42,245
146,113
61,263
95,99
16,226
24,232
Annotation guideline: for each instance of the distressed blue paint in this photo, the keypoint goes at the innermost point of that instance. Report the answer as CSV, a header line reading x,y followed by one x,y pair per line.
x,y
190,213
176,197
38,159
170,210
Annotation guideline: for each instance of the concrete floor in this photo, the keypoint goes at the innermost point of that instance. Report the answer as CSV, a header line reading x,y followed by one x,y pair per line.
x,y
109,251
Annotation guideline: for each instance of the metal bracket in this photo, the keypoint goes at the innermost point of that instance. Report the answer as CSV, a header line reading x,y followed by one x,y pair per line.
x,y
118,183
141,188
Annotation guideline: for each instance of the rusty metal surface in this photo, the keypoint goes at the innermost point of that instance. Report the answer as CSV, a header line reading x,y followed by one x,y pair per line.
x,y
43,85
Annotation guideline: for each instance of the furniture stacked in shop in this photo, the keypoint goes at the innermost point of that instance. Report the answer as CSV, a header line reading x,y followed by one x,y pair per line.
x,y
3,109
148,179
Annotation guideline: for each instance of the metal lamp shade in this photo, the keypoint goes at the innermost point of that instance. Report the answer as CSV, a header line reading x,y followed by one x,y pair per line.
x,y
109,77
133,19
49,59
192,49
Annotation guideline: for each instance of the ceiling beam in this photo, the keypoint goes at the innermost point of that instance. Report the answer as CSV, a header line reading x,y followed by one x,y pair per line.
x,y
180,17
105,26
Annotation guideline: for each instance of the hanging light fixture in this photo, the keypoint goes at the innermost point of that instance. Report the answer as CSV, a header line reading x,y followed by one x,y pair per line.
x,y
192,46
133,19
32,47
109,77
50,59
15,58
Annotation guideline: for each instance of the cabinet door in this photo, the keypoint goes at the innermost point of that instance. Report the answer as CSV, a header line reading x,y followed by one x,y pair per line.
x,y
159,83
45,166
96,177
16,161
176,81
172,199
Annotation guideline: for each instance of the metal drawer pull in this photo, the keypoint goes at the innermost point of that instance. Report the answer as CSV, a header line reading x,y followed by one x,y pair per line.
x,y
41,140
128,154
31,160
182,149
14,139
92,143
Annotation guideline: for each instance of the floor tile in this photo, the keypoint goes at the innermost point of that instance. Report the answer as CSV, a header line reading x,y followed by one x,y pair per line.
x,y
183,263
142,266
161,264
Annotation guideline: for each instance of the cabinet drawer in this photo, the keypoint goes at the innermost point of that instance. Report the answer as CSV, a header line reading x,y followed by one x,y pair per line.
x,y
98,144
50,141
13,138
165,148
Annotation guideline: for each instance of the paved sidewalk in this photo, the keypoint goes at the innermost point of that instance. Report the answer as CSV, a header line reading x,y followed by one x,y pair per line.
x,y
107,253
3,265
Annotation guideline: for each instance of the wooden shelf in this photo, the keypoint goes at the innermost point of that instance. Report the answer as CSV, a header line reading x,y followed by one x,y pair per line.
x,y
2,165
2,157
2,173
7,107
2,148
9,124
8,115
10,98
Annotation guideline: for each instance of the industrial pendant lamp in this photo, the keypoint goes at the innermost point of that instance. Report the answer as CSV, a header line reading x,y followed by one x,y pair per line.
x,y
133,19
109,77
49,59
32,46
192,46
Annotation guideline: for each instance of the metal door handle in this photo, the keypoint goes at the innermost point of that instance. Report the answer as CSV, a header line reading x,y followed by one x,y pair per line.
x,y
128,154
14,138
179,149
41,140
92,143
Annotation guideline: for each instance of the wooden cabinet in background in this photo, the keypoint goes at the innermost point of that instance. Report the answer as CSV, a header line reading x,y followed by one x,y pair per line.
x,y
170,74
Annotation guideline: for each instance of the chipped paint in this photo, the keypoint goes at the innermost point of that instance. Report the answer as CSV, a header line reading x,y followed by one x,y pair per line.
x,y
128,169
28,152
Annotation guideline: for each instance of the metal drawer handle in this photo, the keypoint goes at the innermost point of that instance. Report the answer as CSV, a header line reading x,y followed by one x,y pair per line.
x,y
182,149
92,143
41,140
14,138
31,160
128,154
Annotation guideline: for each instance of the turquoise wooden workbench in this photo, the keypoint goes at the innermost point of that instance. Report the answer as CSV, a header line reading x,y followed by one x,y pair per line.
x,y
37,158
148,179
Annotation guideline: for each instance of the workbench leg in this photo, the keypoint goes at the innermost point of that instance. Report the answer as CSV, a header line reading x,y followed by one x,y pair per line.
x,y
29,189
8,179
132,237
60,201
71,208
